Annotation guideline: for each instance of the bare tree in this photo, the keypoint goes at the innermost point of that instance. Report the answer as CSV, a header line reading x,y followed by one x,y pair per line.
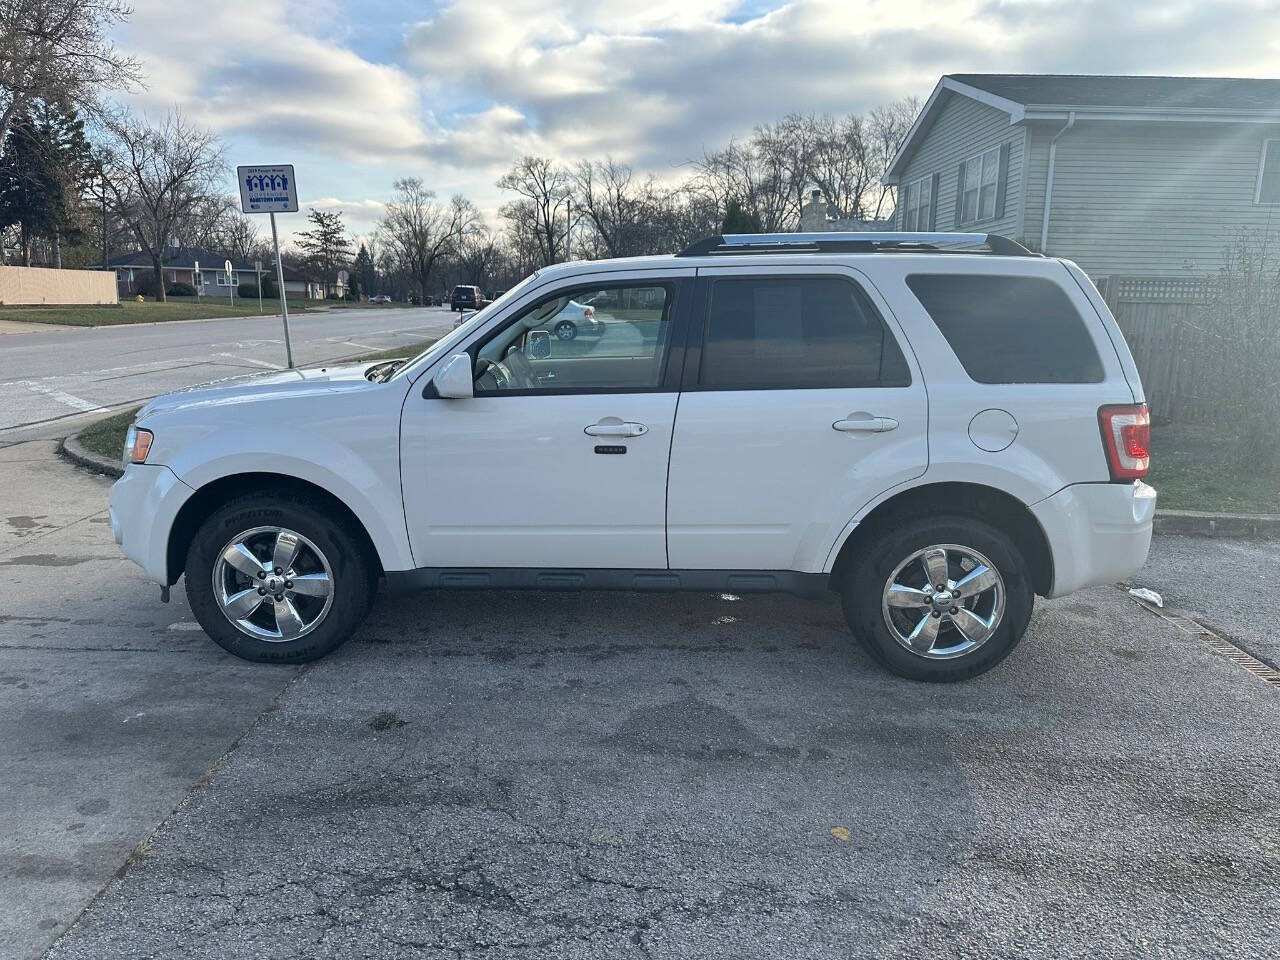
x,y
543,186
238,235
60,51
419,230
158,175
887,129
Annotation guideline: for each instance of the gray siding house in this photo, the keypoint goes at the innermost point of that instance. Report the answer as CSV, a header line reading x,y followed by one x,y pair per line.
x,y
1128,176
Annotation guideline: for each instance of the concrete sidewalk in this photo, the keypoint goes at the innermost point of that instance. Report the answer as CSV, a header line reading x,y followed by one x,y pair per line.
x,y
111,705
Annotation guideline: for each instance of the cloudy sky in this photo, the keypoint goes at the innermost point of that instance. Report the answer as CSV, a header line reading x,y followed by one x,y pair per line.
x,y
356,93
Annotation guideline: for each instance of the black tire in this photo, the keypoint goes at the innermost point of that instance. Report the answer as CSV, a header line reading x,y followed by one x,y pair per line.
x,y
566,330
890,544
354,576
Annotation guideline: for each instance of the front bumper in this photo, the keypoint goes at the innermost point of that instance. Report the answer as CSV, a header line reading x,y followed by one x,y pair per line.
x,y
144,503
1098,532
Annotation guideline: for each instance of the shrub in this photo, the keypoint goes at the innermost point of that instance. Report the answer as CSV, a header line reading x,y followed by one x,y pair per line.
x,y
1235,334
145,283
248,291
333,296
180,289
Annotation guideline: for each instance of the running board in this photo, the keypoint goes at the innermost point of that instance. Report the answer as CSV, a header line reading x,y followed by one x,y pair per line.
x,y
811,585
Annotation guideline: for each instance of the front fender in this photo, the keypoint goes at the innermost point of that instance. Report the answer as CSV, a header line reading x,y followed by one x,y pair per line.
x,y
363,474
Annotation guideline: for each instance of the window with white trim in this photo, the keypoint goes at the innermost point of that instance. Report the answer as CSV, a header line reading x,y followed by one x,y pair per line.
x,y
223,282
1268,190
919,204
981,184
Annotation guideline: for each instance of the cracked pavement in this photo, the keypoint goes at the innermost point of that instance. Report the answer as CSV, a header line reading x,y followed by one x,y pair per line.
x,y
586,775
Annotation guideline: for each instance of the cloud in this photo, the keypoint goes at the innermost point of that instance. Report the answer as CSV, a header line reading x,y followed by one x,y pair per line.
x,y
455,96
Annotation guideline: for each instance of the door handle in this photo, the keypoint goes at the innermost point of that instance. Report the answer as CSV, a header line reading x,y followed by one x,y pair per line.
x,y
613,427
865,423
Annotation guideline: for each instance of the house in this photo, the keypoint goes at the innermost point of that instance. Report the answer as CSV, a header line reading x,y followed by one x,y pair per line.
x,y
816,217
1128,176
180,267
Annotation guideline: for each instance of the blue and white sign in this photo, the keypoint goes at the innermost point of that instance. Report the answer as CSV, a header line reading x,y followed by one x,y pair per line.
x,y
268,189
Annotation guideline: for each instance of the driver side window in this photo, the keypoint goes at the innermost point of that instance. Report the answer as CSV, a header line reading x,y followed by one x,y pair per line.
x,y
607,338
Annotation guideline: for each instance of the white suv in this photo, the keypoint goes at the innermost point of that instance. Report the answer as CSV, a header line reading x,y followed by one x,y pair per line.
x,y
935,426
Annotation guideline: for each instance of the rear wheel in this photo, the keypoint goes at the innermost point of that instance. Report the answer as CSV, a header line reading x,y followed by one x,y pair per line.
x,y
939,598
566,330
271,577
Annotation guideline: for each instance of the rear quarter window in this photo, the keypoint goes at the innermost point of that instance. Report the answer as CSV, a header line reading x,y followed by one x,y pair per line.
x,y
1010,329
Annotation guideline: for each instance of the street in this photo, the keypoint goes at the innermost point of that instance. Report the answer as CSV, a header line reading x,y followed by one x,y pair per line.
x,y
587,775
62,372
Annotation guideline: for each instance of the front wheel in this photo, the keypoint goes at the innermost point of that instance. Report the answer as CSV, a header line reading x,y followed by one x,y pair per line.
x,y
939,598
272,577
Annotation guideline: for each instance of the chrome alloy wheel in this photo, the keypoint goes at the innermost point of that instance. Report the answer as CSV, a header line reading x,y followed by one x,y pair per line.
x,y
943,601
273,583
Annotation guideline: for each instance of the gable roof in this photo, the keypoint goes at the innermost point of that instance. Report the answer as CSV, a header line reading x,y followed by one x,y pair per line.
x,y
184,258
1144,93
1030,96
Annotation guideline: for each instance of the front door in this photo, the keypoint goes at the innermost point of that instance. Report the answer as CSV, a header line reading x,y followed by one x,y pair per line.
x,y
799,407
560,458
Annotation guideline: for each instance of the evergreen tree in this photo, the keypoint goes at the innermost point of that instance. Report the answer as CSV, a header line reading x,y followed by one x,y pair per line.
x,y
43,172
739,220
325,246
364,275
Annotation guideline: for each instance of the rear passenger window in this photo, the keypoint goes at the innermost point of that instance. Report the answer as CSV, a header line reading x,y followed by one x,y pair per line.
x,y
796,332
1010,329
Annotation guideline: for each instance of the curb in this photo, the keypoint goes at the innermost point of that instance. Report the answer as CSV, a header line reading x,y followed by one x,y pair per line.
x,y
71,449
1199,523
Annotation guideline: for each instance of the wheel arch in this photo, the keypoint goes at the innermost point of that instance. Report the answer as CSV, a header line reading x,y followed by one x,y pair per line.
x,y
215,493
980,502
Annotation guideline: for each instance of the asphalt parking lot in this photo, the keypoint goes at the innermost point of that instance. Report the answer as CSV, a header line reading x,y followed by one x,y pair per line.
x,y
587,775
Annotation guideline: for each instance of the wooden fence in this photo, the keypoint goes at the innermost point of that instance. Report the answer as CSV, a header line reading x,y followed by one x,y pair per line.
x,y
36,285
1164,320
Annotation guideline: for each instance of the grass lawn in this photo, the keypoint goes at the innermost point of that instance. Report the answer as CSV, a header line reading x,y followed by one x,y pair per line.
x,y
106,437
130,311
1195,468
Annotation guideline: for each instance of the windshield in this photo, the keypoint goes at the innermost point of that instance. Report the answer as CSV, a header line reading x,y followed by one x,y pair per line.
x,y
446,343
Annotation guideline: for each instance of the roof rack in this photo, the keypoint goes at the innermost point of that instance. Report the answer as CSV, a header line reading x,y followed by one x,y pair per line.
x,y
856,242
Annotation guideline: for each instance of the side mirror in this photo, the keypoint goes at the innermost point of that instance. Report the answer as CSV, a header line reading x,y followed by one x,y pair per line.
x,y
454,380
537,345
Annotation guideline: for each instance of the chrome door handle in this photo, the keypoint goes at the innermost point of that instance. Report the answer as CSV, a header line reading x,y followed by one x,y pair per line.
x,y
866,424
613,427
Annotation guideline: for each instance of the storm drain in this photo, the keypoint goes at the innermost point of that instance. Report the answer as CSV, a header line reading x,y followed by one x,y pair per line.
x,y
1217,643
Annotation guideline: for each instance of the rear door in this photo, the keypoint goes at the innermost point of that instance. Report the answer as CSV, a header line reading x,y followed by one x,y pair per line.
x,y
798,407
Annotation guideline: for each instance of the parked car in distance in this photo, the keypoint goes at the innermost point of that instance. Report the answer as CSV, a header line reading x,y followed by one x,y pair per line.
x,y
380,298
466,297
937,427
572,319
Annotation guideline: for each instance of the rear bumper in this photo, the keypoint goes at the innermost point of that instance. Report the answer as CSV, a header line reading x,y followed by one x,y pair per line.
x,y
144,503
1098,532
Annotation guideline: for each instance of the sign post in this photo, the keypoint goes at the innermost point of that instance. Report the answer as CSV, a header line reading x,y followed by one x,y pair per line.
x,y
271,189
226,268
198,280
257,275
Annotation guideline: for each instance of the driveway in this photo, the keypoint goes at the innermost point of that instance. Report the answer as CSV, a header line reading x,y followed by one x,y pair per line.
x,y
52,374
587,775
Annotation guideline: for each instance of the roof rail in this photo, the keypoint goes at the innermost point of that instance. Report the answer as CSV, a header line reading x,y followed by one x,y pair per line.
x,y
856,242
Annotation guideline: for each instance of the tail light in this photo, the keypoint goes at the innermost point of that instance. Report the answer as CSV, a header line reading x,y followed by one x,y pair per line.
x,y
1126,436
590,312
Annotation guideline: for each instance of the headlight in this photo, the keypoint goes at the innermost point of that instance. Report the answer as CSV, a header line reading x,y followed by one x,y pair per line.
x,y
137,444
